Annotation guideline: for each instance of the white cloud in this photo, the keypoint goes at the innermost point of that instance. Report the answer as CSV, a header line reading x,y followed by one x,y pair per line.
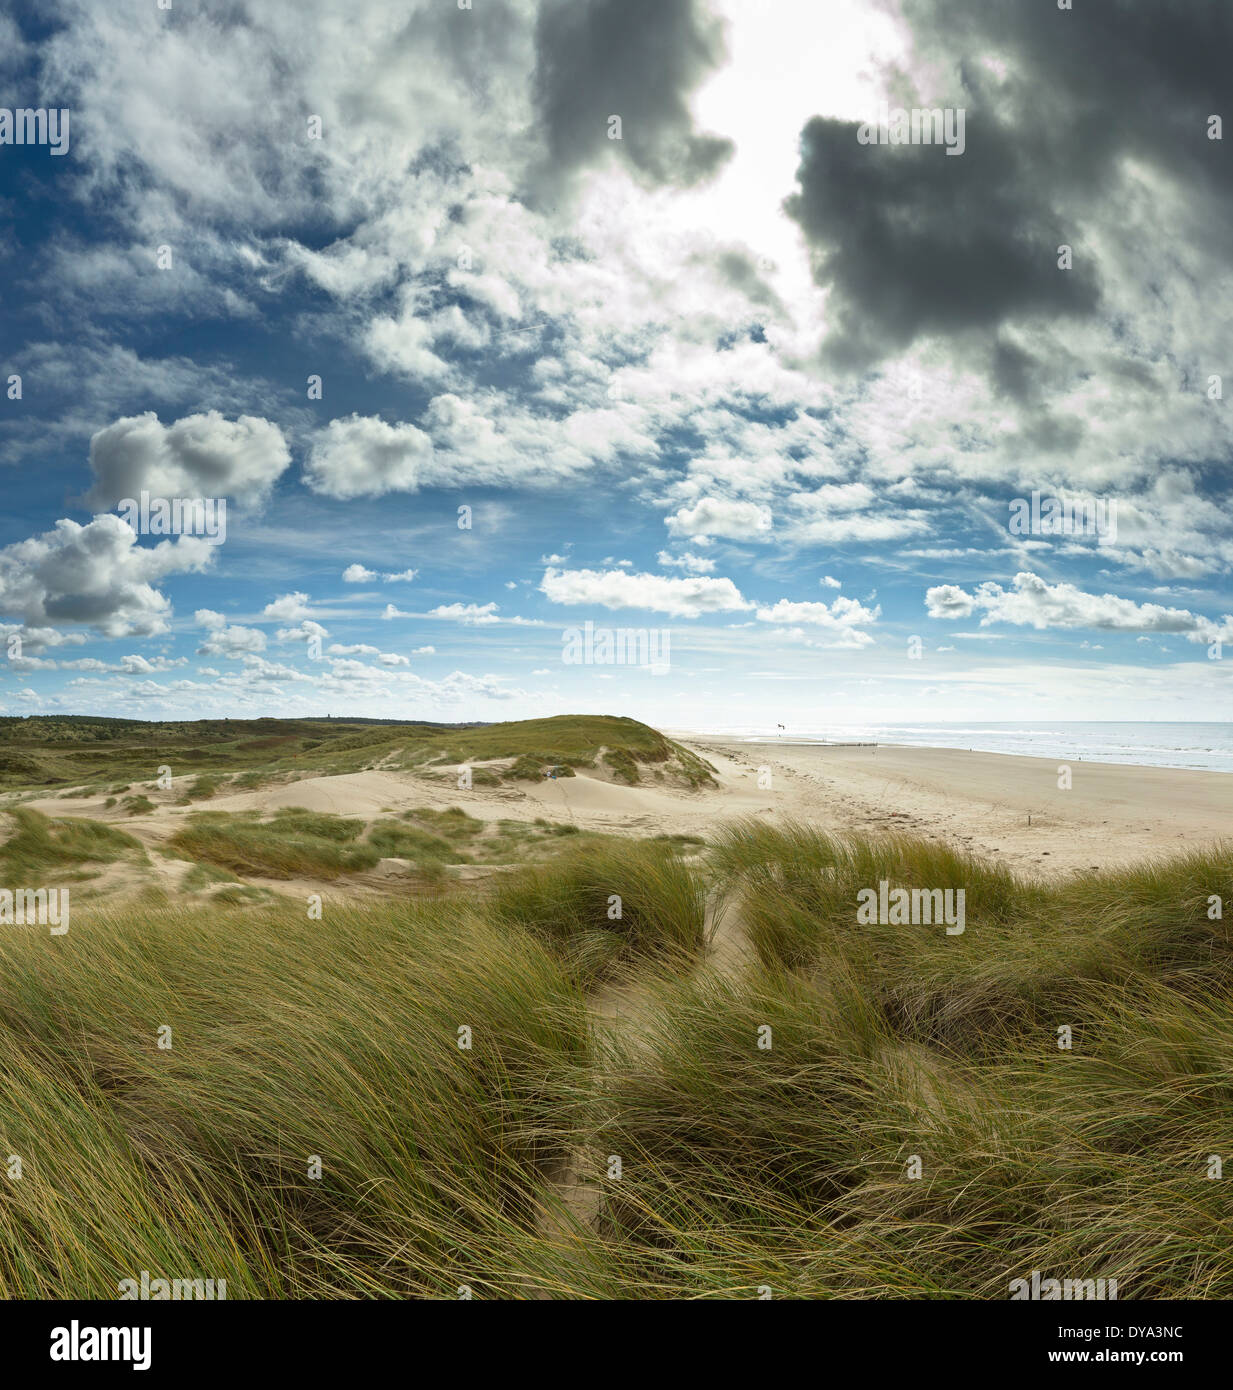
x,y
717,516
198,456
288,608
303,632
362,456
1034,602
96,576
470,614
227,640
681,598
948,601
839,622
357,574
137,665
687,561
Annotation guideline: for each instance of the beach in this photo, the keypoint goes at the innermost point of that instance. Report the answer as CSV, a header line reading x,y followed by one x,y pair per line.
x,y
995,804
1001,805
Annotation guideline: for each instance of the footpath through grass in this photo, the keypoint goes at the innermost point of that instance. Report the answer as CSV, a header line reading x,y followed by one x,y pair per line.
x,y
376,1103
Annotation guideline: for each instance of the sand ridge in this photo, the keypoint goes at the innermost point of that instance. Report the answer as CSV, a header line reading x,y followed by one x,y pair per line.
x,y
990,803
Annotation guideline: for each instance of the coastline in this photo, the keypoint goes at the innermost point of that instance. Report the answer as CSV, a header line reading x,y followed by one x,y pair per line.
x,y
1001,804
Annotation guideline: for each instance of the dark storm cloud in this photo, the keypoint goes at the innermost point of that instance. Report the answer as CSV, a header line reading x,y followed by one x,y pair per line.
x,y
636,59
915,242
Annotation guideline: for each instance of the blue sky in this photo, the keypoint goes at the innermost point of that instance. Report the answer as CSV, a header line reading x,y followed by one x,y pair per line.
x,y
735,376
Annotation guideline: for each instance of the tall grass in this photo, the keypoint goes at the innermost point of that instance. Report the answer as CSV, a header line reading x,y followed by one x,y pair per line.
x,y
39,847
604,904
861,1110
294,844
289,1040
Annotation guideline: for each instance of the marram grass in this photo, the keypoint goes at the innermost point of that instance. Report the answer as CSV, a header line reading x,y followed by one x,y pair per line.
x,y
855,1111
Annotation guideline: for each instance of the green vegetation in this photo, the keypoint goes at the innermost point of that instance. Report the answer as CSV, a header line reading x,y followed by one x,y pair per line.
x,y
843,1109
39,849
604,903
293,844
202,788
536,747
74,752
202,876
289,1039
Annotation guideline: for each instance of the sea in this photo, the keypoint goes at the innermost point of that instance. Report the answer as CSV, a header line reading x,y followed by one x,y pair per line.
x,y
1205,746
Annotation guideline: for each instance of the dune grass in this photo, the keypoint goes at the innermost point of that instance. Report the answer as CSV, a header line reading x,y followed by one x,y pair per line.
x,y
197,1159
859,1110
39,847
605,903
294,843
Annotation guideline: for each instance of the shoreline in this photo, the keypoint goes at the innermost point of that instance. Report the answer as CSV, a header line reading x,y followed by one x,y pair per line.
x,y
1020,809
691,736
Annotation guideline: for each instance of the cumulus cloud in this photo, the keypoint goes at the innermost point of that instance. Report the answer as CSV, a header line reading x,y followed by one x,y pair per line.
x,y
137,665
837,624
95,576
636,59
357,574
724,517
362,456
306,631
680,598
948,601
470,614
687,561
198,456
287,608
230,640
1034,602
912,242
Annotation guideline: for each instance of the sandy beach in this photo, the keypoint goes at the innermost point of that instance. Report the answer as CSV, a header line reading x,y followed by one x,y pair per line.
x,y
992,803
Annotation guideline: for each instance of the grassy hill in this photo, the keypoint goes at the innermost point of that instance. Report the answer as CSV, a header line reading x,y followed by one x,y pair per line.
x,y
76,751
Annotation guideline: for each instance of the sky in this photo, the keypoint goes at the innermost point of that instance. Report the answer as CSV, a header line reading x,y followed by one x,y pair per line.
x,y
490,321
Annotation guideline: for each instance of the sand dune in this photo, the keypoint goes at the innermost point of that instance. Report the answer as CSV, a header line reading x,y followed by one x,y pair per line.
x,y
991,803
